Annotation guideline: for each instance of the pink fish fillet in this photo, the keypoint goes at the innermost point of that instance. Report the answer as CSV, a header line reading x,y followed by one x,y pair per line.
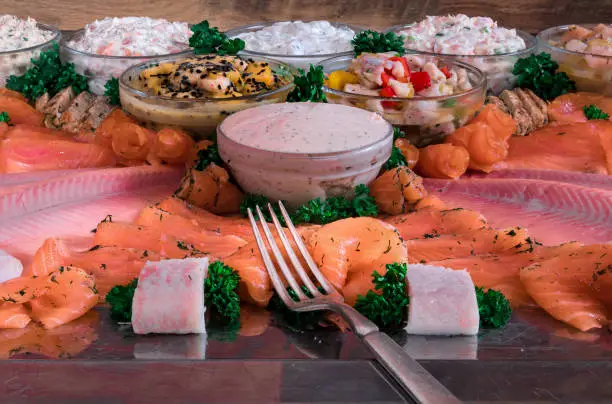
x,y
442,301
169,298
21,155
20,200
75,211
8,180
554,212
599,181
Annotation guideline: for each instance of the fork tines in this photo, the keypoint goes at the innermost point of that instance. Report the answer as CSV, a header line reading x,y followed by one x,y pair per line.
x,y
308,285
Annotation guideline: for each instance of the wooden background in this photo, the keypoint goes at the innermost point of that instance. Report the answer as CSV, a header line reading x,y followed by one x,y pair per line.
x,y
530,15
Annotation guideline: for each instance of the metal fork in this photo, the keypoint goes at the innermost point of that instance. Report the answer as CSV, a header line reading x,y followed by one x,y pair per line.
x,y
416,381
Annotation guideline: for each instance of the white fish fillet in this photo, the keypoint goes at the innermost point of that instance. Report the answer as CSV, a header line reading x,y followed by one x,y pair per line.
x,y
19,200
169,298
442,301
10,267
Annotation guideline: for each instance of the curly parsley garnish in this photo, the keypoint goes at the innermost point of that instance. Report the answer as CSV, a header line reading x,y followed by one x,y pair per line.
x,y
120,300
337,207
389,309
208,156
376,42
47,75
397,158
4,117
594,112
539,74
221,291
308,86
493,307
111,90
206,39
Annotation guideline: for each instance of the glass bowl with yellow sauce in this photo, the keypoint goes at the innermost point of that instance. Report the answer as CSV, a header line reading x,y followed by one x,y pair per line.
x,y
301,151
197,92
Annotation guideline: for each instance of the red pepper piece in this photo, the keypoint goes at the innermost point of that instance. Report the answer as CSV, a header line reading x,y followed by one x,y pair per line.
x,y
420,81
446,72
385,78
387,92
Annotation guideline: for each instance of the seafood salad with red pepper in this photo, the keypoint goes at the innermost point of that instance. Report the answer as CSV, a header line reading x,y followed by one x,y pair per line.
x,y
436,95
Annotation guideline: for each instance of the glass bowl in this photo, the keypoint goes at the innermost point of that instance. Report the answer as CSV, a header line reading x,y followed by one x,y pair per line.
x,y
498,67
100,68
198,116
592,73
16,62
297,61
297,176
425,120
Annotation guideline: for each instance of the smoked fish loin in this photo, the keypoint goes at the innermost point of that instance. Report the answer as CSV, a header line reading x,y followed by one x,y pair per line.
x,y
169,298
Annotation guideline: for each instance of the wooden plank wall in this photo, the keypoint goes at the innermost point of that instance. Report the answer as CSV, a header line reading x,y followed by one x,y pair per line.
x,y
531,15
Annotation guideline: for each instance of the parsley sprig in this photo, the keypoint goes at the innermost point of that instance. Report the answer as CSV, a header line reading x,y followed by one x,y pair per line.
x,y
221,291
47,75
493,307
4,117
308,86
376,42
594,112
206,39
397,158
539,74
120,300
111,90
208,156
389,307
317,211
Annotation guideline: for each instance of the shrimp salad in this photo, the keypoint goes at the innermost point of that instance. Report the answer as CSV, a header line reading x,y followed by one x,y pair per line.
x,y
390,76
16,34
137,39
493,49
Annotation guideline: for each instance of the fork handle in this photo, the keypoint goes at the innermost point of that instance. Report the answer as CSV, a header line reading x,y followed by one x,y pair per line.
x,y
421,385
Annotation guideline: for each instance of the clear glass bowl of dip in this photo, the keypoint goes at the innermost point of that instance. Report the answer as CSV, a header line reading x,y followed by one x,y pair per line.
x,y
297,177
297,61
425,120
201,116
592,73
100,68
16,62
498,67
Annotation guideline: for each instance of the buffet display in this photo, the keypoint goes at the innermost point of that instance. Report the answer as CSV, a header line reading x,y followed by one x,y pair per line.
x,y
441,173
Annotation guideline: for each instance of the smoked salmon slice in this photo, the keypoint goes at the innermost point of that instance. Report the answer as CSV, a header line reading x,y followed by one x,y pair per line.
x,y
20,111
208,221
446,161
431,221
568,107
255,286
110,266
14,315
171,146
26,155
573,287
397,191
186,230
566,147
349,250
73,295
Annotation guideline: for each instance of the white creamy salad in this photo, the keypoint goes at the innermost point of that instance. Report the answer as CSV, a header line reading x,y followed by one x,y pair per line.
x,y
299,38
478,41
462,35
138,39
15,34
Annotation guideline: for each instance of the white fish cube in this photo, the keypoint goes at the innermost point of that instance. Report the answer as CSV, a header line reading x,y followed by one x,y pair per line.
x,y
442,301
169,298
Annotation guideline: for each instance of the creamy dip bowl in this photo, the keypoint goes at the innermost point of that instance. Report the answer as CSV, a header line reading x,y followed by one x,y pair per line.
x,y
300,151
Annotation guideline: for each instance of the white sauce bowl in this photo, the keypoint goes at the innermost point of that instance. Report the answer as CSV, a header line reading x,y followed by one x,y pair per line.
x,y
350,146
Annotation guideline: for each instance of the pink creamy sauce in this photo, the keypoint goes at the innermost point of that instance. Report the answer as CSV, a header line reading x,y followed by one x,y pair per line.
x,y
300,151
305,128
